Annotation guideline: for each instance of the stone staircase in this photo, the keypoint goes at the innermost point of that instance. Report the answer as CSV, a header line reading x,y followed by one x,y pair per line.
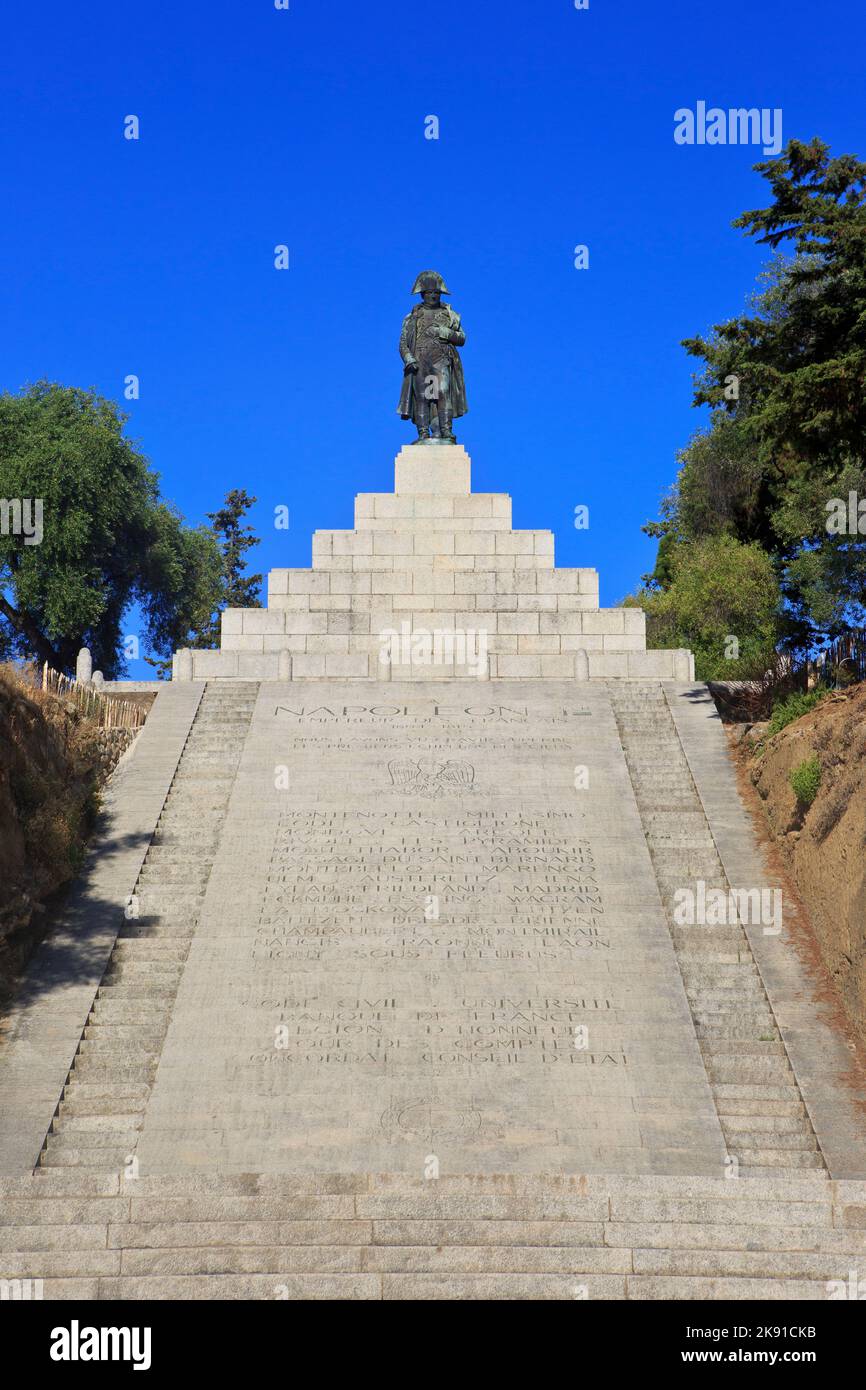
x,y
100,1112
759,1104
360,1236
90,1225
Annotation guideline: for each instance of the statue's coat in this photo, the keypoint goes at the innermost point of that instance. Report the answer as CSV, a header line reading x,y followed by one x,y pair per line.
x,y
406,408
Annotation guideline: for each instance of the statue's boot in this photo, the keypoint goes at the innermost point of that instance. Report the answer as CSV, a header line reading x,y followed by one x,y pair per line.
x,y
446,435
422,420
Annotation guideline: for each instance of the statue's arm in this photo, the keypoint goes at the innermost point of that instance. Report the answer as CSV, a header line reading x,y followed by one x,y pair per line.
x,y
409,359
456,334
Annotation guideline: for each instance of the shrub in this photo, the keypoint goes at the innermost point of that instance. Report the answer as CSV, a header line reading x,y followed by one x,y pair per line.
x,y
718,588
793,707
806,779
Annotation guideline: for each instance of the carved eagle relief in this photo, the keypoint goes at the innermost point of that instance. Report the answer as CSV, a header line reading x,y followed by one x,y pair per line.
x,y
424,778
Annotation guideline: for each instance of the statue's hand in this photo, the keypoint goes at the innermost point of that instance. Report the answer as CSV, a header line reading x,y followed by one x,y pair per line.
x,y
411,366
439,332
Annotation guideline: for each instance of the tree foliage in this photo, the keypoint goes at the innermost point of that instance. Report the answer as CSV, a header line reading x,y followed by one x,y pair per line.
x,y
786,385
718,589
109,539
237,589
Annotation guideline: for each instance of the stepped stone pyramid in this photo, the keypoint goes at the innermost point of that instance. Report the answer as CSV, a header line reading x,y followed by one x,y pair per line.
x,y
429,558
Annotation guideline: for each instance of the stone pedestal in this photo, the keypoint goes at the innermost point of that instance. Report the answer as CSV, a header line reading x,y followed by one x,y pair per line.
x,y
442,469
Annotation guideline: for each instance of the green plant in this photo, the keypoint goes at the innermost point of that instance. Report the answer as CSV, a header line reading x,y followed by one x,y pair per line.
x,y
805,779
109,540
716,589
793,707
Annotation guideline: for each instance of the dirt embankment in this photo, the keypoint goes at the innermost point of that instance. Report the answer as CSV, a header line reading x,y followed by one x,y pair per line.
x,y
53,762
823,845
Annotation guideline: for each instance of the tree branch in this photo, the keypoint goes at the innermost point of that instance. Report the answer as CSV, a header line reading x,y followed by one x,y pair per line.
x,y
41,646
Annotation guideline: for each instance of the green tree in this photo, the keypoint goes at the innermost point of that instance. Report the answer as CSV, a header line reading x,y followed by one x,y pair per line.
x,y
719,589
237,589
786,383
108,541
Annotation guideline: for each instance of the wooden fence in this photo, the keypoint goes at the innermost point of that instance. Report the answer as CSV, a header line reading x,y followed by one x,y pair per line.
x,y
843,661
104,710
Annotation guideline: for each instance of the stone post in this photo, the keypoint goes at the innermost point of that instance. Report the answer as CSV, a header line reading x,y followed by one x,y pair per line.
x,y
84,666
683,666
183,669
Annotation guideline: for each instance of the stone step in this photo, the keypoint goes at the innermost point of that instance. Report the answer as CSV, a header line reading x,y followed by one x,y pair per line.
x,y
445,1259
750,1071
78,1090
130,989
180,928
136,1012
155,900
201,798
749,992
127,961
732,1238
135,949
757,1138
126,993
778,1157
765,1108
770,1092
100,1106
649,786
698,937
101,1159
755,1010
106,1072
705,954
113,1049
119,1123
148,1036
77,1103
156,971
708,1032
725,1263
753,999
192,874
755,1022
100,1137
683,870
177,856
186,837
703,972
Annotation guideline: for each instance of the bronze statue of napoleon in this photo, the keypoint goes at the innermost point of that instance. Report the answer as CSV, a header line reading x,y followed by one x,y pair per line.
x,y
434,393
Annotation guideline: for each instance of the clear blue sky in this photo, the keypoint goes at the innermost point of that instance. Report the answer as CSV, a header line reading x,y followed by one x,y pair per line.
x,y
306,127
